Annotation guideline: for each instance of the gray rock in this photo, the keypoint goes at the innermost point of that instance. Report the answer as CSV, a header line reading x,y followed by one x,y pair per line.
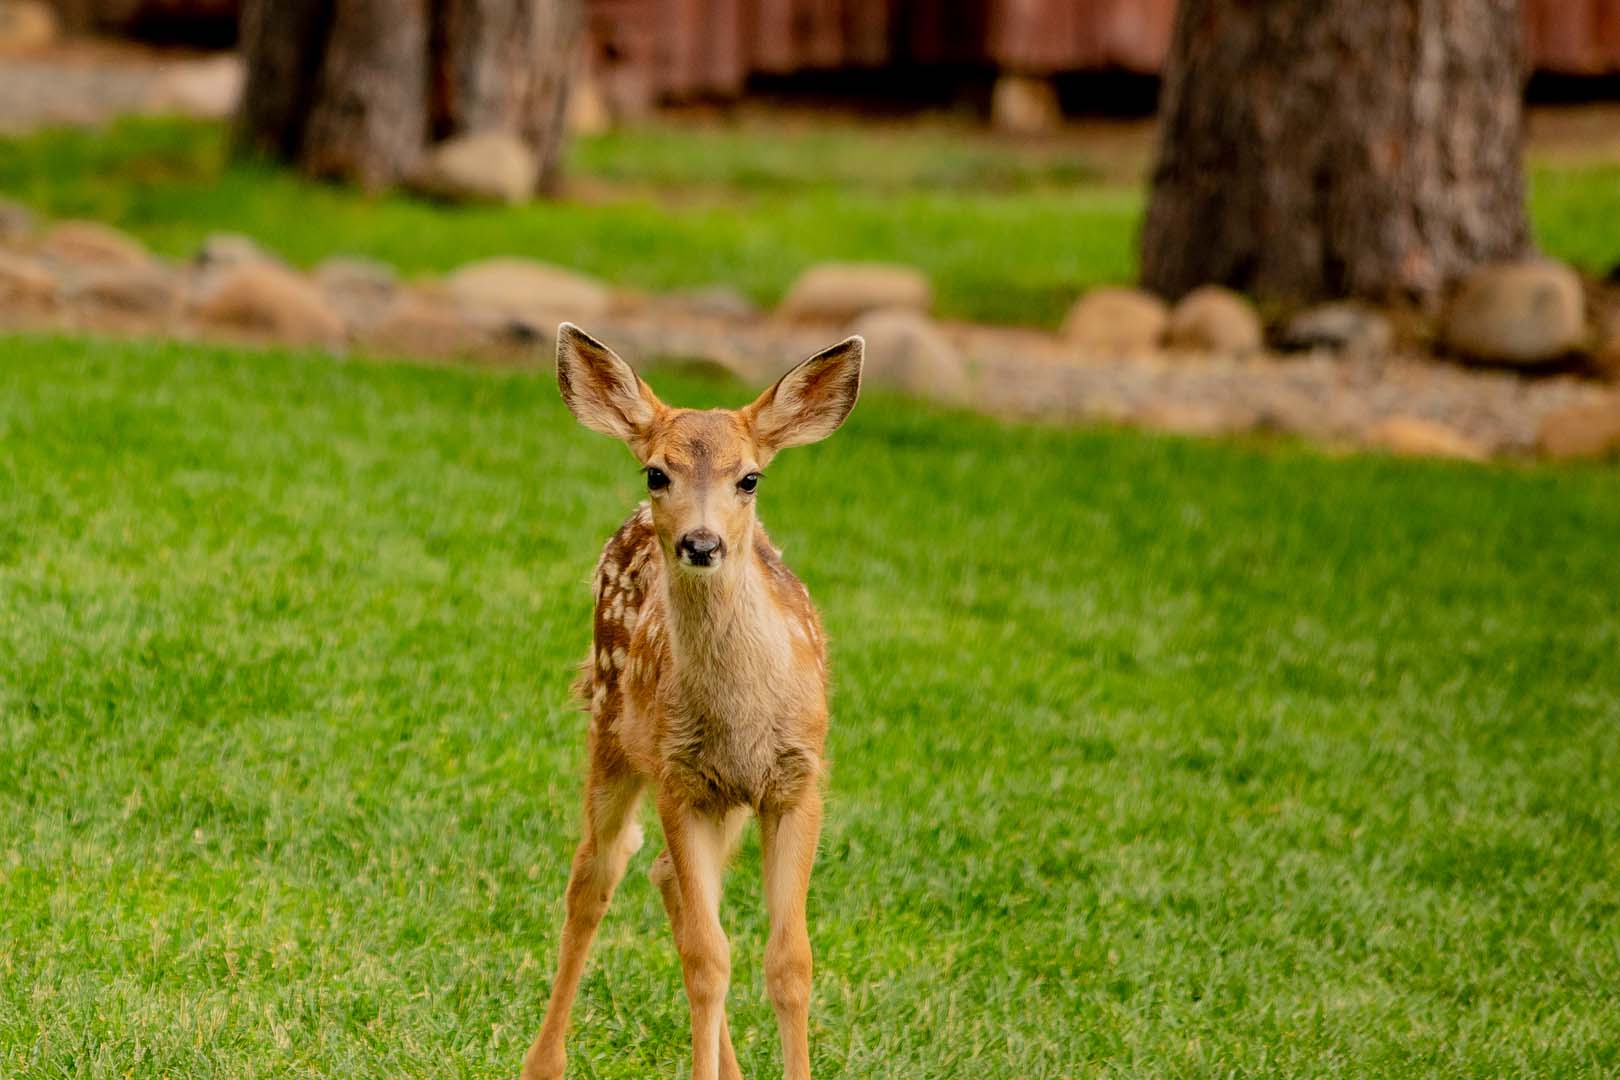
x,y
268,300
1590,430
417,324
1214,319
362,290
133,290
89,242
488,165
840,291
25,281
527,293
1116,320
907,352
220,251
1521,313
1341,327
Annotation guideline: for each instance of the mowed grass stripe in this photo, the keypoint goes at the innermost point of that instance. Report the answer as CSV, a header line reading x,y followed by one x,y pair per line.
x,y
1150,757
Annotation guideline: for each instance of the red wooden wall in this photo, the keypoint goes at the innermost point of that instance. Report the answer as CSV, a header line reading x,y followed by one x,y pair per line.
x,y
708,48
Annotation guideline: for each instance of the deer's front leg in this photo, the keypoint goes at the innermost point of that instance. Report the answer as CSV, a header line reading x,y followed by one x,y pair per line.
x,y
611,837
788,838
697,845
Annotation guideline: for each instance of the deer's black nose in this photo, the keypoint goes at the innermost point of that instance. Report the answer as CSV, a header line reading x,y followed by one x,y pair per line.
x,y
700,547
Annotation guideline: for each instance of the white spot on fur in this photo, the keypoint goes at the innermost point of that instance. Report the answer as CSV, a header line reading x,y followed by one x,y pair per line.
x,y
632,839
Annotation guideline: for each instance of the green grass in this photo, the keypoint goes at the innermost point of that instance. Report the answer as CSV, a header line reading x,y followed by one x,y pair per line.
x,y
1150,757
788,158
1575,210
727,210
1009,232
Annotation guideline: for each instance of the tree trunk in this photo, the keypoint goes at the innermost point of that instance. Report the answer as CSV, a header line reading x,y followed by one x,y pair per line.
x,y
284,44
368,121
1322,148
509,66
356,90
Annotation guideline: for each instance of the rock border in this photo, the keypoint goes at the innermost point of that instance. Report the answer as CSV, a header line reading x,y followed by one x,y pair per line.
x,y
1346,386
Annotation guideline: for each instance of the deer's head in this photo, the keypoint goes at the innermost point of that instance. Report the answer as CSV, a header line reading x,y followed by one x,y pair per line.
x,y
703,467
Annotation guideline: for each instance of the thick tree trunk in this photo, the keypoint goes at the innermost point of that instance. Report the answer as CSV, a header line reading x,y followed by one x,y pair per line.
x,y
508,67
357,89
368,123
284,43
1319,148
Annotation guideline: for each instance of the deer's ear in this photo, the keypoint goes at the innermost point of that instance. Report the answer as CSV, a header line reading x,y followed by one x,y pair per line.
x,y
601,389
809,402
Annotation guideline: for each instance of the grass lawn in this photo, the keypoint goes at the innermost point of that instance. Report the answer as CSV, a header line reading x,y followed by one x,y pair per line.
x,y
1009,232
1151,757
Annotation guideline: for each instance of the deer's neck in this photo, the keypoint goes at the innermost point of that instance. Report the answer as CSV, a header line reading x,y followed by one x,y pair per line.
x,y
725,625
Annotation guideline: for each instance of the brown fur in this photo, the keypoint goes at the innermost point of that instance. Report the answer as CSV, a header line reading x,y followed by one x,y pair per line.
x,y
707,684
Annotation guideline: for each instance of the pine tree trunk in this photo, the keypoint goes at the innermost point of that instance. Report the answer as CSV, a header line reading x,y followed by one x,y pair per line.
x,y
508,67
284,43
368,122
1321,148
356,90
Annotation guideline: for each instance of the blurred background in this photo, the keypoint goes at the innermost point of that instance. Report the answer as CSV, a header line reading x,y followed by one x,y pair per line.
x,y
1036,206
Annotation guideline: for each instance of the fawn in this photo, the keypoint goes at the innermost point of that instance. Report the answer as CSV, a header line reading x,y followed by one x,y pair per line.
x,y
707,681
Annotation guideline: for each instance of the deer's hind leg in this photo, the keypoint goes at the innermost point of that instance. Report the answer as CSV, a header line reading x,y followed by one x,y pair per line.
x,y
612,835
662,873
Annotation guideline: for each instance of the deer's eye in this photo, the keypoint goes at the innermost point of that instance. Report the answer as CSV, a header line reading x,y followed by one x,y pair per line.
x,y
748,483
657,479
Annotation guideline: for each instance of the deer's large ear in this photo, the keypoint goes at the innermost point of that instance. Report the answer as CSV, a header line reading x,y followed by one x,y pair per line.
x,y
809,402
601,389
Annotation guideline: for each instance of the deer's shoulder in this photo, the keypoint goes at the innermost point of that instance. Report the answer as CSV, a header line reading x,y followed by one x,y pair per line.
x,y
627,562
623,587
792,596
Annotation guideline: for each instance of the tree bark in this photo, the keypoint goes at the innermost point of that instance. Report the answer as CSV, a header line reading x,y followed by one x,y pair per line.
x,y
356,90
509,67
1321,148
368,123
284,44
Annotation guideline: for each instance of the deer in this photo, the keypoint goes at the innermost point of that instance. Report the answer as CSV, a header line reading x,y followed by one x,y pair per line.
x,y
706,684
